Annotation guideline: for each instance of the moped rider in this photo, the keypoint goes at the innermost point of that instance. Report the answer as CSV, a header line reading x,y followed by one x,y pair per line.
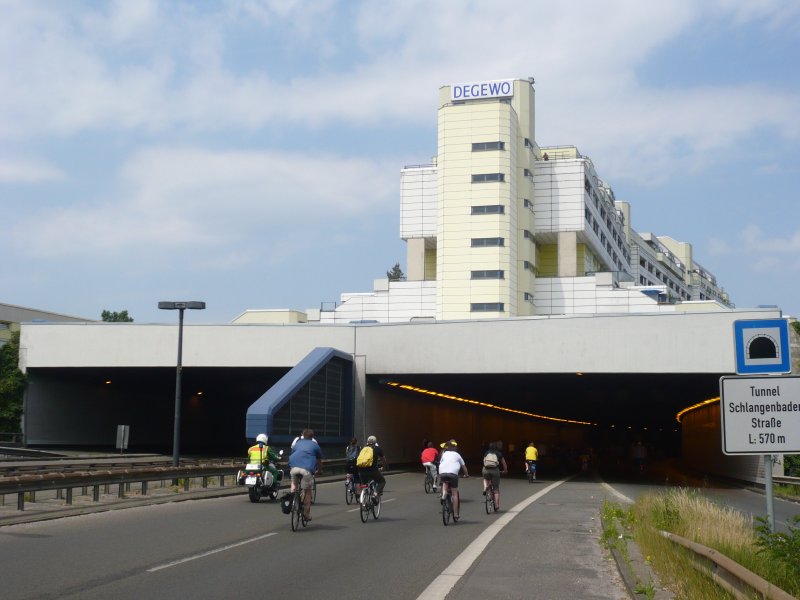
x,y
260,453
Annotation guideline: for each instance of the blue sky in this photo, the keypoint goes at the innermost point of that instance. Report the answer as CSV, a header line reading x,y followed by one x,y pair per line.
x,y
247,153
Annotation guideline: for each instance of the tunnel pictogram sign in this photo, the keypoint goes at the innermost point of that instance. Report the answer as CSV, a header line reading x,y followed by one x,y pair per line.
x,y
762,346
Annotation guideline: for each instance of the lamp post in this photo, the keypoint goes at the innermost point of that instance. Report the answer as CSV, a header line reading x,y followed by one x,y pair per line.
x,y
176,434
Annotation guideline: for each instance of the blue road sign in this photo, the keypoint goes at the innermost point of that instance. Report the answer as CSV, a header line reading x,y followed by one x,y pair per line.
x,y
762,346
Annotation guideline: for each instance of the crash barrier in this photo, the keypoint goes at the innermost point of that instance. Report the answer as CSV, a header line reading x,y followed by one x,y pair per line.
x,y
26,486
728,574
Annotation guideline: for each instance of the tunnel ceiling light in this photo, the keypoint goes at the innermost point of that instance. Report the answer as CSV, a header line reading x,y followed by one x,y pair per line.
x,y
107,382
417,390
679,416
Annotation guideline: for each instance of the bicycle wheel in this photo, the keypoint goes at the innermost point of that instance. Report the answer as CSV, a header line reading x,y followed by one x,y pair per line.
x,y
297,510
314,490
530,475
428,483
376,506
447,509
349,493
489,499
364,508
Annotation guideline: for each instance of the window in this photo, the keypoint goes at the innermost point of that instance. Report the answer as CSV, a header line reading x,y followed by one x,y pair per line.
x,y
482,177
527,173
483,146
488,274
528,297
490,209
529,266
527,235
487,307
528,143
482,242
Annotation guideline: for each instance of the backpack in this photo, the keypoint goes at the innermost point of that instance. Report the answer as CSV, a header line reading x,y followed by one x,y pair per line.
x,y
365,458
352,452
490,460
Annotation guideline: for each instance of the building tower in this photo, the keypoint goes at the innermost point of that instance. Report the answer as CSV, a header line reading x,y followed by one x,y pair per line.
x,y
485,250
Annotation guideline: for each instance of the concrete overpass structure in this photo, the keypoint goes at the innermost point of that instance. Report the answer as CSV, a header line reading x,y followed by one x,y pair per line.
x,y
601,379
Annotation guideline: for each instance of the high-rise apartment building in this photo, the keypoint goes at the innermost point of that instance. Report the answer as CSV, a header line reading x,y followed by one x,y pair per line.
x,y
497,227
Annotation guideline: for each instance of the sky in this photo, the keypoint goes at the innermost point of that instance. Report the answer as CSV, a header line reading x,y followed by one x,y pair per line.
x,y
248,153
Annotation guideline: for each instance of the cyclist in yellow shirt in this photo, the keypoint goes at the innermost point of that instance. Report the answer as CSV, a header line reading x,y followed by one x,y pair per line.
x,y
531,456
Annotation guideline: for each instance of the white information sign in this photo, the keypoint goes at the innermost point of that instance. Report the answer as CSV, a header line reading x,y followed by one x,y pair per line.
x,y
760,415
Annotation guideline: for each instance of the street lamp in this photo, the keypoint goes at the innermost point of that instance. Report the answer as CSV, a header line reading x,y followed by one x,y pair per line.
x,y
180,307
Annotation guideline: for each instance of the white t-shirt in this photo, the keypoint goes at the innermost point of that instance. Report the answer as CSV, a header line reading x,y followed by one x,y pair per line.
x,y
451,462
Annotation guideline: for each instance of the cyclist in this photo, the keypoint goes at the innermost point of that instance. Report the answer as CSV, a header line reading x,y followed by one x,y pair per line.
x,y
261,454
450,465
531,456
351,453
428,458
492,462
306,458
372,472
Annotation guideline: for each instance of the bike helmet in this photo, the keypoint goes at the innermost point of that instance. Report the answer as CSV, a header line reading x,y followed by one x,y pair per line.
x,y
262,437
372,440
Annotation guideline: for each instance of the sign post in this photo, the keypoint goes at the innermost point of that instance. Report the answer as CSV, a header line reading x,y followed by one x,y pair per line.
x,y
761,415
123,432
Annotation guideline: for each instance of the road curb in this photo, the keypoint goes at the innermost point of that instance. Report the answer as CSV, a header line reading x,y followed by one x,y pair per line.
x,y
635,571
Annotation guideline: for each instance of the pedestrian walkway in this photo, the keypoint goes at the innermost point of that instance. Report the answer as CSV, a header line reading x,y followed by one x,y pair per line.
x,y
549,549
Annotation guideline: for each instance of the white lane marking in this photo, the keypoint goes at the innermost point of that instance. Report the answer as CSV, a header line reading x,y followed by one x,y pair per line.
x,y
221,549
617,493
441,586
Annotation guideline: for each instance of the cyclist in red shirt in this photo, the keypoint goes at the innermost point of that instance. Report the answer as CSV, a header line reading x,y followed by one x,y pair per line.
x,y
428,457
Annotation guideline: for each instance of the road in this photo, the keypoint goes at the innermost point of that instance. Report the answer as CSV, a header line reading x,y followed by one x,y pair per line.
x,y
227,547
224,547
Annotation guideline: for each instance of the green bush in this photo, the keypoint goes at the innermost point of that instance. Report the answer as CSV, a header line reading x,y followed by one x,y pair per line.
x,y
783,548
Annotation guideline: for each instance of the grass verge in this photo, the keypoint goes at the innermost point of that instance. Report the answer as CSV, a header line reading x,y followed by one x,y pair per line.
x,y
774,557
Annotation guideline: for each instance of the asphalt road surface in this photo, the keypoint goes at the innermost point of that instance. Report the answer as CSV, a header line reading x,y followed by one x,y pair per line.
x,y
543,544
229,547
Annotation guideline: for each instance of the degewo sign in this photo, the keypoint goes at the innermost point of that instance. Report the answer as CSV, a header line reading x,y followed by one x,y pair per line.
x,y
482,89
760,415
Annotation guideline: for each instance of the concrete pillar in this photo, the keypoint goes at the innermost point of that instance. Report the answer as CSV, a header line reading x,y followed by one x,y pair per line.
x,y
567,254
415,259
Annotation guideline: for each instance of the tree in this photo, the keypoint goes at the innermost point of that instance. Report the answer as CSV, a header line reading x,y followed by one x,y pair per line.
x,y
396,273
12,385
116,317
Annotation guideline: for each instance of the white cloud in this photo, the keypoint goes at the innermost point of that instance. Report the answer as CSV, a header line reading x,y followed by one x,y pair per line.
x,y
216,203
28,171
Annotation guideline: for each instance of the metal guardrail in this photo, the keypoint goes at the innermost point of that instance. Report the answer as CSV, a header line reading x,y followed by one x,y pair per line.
x,y
67,479
786,480
31,484
729,574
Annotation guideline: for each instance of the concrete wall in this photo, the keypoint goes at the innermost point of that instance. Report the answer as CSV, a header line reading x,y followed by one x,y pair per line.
x,y
401,421
702,448
646,343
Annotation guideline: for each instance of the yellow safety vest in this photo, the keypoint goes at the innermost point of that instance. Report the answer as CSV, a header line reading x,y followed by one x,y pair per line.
x,y
256,455
531,453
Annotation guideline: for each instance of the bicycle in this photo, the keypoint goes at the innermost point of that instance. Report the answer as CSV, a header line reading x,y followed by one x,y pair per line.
x,y
489,499
430,482
313,488
370,502
447,506
530,467
350,491
298,511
